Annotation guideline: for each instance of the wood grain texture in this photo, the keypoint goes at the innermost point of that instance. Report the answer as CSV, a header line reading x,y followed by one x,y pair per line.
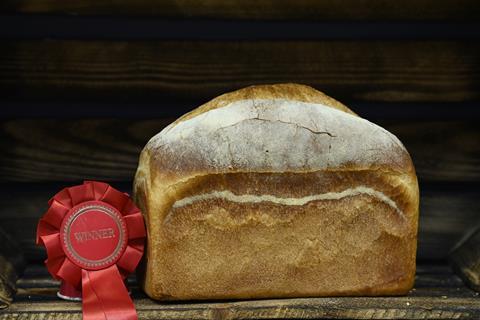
x,y
446,214
262,9
71,150
438,294
40,150
365,71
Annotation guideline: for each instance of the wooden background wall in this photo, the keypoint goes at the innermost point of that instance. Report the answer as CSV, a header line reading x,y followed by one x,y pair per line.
x,y
85,84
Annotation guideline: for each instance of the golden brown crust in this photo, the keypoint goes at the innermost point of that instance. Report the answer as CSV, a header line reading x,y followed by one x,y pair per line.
x,y
373,244
201,215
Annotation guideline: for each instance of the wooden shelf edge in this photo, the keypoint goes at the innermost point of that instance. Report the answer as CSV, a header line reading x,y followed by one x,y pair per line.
x,y
438,294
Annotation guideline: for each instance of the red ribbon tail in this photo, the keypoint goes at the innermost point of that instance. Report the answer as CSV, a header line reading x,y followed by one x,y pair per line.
x,y
105,296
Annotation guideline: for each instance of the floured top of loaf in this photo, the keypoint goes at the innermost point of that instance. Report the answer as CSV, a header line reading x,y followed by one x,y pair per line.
x,y
272,128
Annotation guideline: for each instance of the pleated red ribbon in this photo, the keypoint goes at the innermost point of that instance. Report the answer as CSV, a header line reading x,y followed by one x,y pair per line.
x,y
94,236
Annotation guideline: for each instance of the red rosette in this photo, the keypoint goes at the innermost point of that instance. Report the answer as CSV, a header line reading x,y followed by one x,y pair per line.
x,y
94,236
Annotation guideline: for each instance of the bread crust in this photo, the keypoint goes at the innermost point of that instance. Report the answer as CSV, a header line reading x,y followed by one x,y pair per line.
x,y
195,205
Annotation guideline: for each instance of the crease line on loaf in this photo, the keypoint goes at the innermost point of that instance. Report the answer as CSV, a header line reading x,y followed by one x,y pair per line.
x,y
252,198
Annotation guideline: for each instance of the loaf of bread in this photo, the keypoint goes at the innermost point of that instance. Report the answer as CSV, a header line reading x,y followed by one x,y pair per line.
x,y
276,191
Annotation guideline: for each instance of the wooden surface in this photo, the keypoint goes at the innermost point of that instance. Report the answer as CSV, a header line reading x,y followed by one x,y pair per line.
x,y
72,150
139,71
438,294
40,150
259,9
135,28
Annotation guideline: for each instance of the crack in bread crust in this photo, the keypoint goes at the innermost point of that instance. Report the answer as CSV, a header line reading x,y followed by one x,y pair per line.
x,y
273,135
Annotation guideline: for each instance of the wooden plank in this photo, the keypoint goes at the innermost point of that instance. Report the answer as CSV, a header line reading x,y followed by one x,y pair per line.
x,y
72,150
375,112
446,213
351,71
438,294
153,28
44,150
313,308
260,9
